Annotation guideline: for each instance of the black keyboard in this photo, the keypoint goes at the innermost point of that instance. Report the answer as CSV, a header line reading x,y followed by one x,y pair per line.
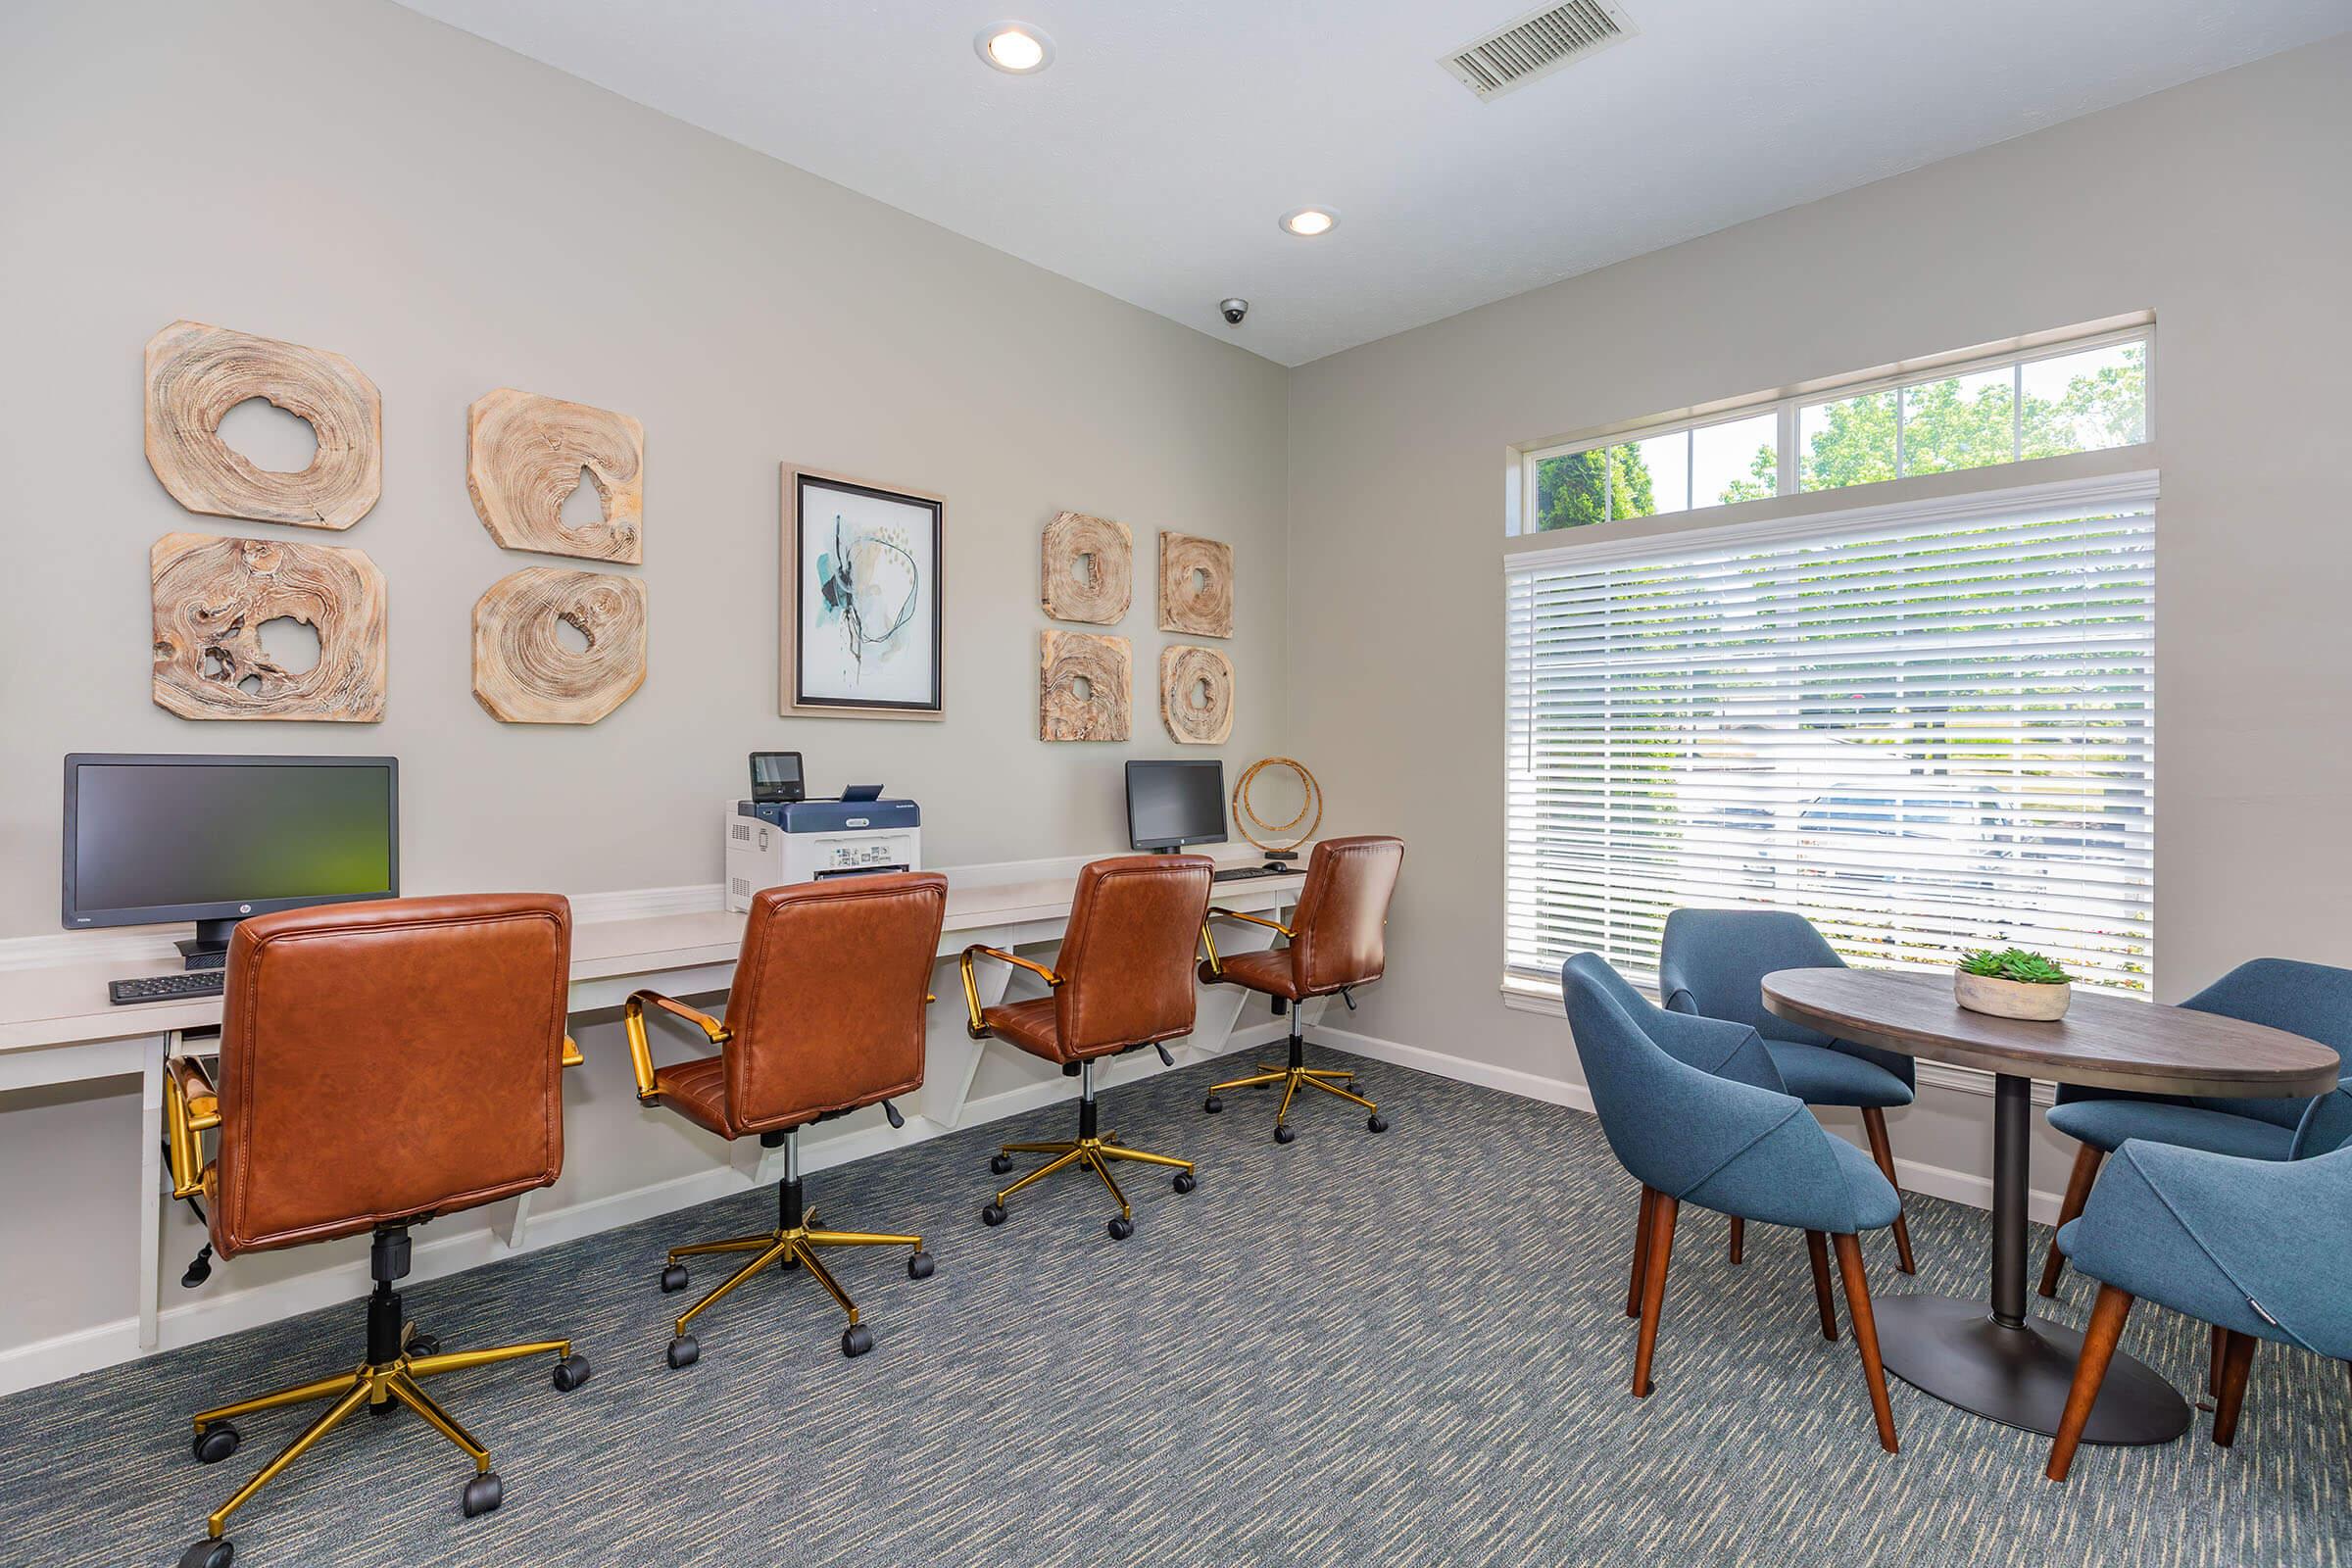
x,y
1250,873
167,987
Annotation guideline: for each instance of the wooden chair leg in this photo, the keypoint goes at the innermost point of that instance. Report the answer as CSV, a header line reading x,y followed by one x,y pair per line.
x,y
1816,1248
2078,1193
1633,1291
2107,1314
1874,1124
1654,1287
2236,1361
1738,1238
1866,1336
2213,1362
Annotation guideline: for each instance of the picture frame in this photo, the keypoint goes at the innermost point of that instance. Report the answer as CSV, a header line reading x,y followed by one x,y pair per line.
x,y
862,598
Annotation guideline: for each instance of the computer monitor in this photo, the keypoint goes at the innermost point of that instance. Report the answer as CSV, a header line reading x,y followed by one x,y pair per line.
x,y
214,839
1170,805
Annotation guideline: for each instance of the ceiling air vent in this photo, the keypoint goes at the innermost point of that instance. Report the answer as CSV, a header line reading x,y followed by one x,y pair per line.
x,y
1536,45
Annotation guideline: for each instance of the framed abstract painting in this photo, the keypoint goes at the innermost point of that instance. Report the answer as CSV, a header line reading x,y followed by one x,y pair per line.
x,y
863,606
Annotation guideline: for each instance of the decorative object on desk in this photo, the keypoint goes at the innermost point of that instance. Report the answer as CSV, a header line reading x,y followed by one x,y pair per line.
x,y
1084,687
211,598
1196,585
196,374
2012,984
526,453
523,673
1087,569
1245,817
862,605
1196,695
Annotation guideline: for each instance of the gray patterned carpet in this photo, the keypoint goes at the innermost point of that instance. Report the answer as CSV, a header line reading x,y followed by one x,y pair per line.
x,y
1396,1351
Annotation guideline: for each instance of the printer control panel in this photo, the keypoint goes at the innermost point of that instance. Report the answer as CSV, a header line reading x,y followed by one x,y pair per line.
x,y
840,856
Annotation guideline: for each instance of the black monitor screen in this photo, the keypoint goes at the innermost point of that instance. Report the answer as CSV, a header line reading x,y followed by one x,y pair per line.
x,y
1170,805
185,833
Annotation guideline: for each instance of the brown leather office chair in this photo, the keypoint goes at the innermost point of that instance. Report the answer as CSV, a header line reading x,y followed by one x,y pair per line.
x,y
825,1017
382,1063
1123,979
1338,941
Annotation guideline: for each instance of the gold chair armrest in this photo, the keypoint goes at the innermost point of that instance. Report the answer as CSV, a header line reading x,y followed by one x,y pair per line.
x,y
1216,913
971,993
571,1057
191,1108
1211,943
641,1054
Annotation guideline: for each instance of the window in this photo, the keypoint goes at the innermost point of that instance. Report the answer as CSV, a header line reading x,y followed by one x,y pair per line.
x,y
1926,728
2080,395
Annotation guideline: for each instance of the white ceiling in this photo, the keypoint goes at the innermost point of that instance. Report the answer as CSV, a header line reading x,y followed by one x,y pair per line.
x,y
1153,158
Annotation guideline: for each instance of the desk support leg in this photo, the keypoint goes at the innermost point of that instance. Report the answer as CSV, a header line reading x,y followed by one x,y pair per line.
x,y
2012,1107
152,1197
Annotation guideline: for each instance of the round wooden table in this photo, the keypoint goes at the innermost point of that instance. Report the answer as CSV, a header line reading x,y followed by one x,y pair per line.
x,y
1994,1359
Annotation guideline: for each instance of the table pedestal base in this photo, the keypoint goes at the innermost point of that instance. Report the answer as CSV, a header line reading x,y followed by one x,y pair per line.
x,y
1954,1350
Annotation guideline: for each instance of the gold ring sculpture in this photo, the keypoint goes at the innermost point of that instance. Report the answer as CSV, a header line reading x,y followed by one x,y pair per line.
x,y
1244,816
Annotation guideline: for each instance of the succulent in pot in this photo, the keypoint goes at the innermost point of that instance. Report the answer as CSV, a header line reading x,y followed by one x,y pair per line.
x,y
2012,983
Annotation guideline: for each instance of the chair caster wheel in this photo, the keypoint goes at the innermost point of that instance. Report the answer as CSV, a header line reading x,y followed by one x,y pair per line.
x,y
1212,1104
483,1493
570,1373
673,1279
684,1350
992,1214
999,1165
1284,1133
920,1265
216,1444
208,1553
1185,1181
422,1345
1376,1123
1121,1228
857,1340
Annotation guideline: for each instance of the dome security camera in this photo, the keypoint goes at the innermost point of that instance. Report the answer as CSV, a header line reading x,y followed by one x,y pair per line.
x,y
1234,310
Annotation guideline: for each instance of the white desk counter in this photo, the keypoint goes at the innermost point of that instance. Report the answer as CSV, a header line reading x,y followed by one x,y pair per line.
x,y
58,1027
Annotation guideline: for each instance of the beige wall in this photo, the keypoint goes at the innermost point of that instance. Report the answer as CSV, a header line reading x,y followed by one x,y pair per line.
x,y
455,217
2219,205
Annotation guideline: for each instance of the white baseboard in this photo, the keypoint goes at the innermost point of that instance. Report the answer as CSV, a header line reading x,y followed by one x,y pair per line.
x,y
111,1344
1936,1180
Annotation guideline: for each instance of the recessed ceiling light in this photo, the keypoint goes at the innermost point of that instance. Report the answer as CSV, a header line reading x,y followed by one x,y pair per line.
x,y
1308,222
1014,47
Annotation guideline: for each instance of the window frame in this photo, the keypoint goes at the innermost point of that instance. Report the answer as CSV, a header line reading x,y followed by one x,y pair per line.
x,y
1789,405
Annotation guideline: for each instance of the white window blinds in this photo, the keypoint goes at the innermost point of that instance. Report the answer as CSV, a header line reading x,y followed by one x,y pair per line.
x,y
1927,730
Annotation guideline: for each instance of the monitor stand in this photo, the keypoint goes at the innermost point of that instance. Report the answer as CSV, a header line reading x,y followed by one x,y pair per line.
x,y
208,949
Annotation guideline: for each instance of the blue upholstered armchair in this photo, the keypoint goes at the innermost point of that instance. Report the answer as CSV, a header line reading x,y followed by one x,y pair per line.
x,y
2312,1000
1713,964
1695,1121
2260,1249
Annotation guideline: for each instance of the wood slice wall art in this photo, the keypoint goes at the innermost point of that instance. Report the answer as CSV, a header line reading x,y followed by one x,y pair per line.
x,y
212,596
1196,695
1088,571
1196,585
524,672
524,456
1085,687
196,374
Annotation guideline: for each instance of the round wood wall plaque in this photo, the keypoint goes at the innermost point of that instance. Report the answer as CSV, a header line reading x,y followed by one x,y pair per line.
x,y
523,670
1196,695
196,374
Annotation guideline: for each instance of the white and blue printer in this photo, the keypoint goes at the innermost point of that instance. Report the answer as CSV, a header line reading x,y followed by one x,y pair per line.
x,y
784,838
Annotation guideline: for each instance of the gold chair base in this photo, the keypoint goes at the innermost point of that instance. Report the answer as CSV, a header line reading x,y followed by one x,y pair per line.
x,y
791,1245
1327,1079
392,1382
1096,1154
